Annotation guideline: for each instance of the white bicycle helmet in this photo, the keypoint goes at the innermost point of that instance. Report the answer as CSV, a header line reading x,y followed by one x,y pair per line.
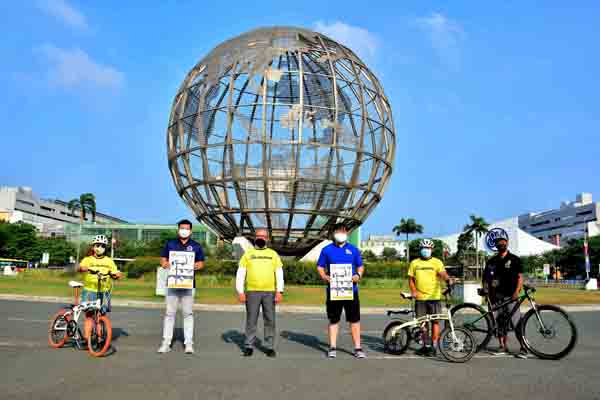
x,y
427,243
100,239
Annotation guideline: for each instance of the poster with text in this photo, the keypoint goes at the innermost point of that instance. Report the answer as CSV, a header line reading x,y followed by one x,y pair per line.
x,y
181,271
340,287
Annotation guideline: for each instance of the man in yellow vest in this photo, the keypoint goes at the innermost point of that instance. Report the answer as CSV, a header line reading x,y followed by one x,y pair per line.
x,y
259,283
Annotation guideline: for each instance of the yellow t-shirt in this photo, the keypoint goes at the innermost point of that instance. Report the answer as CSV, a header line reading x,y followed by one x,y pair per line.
x,y
260,265
426,277
104,265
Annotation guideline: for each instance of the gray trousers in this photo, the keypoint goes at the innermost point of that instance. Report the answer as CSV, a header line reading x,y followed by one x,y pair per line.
x,y
254,302
186,298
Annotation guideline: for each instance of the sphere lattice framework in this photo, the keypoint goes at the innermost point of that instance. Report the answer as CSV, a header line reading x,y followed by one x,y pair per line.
x,y
284,129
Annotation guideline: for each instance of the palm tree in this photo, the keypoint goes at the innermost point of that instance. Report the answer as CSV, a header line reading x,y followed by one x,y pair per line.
x,y
408,227
478,226
84,204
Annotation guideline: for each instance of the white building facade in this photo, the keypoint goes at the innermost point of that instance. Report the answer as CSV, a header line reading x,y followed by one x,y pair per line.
x,y
376,244
50,217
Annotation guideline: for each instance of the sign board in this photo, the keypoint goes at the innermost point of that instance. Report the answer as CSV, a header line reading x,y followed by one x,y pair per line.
x,y
546,269
45,258
181,271
340,286
492,235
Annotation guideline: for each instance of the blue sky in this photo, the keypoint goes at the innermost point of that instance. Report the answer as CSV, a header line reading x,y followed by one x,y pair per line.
x,y
497,108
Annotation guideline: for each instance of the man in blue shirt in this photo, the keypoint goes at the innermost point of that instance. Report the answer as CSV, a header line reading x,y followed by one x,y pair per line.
x,y
340,253
183,296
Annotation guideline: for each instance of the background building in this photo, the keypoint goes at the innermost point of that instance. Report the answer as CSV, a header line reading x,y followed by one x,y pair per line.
x,y
570,221
143,232
376,244
49,216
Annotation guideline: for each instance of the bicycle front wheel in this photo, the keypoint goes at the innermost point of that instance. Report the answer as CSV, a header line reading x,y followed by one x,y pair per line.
x,y
459,346
551,336
475,319
100,336
395,340
58,330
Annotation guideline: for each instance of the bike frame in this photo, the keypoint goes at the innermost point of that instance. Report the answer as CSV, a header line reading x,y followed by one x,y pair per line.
x,y
493,308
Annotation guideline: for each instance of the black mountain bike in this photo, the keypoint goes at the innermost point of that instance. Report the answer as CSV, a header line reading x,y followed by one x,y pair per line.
x,y
547,331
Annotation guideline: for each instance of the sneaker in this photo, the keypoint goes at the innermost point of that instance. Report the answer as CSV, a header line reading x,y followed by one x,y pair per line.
x,y
165,347
189,349
359,353
500,352
522,354
332,353
271,353
248,351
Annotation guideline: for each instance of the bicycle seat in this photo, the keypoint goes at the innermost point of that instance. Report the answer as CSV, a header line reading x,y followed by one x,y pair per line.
x,y
406,295
403,311
75,284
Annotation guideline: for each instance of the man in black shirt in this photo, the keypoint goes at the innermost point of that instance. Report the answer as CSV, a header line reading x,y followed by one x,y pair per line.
x,y
503,279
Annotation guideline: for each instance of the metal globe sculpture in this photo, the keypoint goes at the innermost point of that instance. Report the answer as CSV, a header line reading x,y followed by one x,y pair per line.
x,y
281,128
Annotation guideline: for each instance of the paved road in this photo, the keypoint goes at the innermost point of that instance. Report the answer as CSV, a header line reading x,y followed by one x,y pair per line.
x,y
29,369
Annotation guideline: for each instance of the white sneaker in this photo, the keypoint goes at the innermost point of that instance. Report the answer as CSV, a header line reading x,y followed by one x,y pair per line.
x,y
165,347
189,349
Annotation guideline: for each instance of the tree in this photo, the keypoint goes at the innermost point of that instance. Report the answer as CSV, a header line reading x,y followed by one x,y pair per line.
x,y
408,227
368,255
464,245
86,203
478,226
389,253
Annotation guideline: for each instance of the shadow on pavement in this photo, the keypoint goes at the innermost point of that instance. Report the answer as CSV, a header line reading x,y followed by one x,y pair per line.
x,y
306,340
236,337
373,343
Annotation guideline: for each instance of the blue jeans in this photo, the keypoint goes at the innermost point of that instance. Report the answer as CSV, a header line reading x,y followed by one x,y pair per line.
x,y
89,295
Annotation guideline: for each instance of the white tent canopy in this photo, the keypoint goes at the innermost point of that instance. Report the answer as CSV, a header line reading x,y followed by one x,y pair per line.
x,y
520,243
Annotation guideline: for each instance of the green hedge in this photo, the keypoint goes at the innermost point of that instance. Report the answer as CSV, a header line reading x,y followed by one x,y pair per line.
x,y
295,272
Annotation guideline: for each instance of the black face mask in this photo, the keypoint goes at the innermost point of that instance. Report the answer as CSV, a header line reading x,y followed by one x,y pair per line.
x,y
260,243
501,248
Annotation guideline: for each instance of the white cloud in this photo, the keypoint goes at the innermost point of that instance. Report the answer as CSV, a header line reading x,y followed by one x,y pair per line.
x,y
359,40
74,67
445,35
63,11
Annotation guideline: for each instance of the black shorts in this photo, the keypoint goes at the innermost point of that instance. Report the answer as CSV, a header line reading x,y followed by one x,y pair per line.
x,y
424,307
350,307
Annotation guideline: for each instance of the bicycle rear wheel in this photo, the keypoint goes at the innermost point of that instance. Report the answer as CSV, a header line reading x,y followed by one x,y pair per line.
x,y
58,330
474,318
100,336
554,337
395,340
459,347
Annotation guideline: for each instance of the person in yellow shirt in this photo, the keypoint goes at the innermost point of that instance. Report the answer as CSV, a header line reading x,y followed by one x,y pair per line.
x,y
259,283
98,262
424,275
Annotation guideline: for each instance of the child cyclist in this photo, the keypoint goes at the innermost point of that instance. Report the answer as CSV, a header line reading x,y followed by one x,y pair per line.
x,y
98,262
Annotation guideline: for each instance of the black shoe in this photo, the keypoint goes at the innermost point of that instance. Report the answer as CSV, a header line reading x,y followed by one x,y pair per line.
x,y
271,353
423,351
248,351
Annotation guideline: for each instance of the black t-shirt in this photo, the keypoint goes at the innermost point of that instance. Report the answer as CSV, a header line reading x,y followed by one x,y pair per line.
x,y
501,274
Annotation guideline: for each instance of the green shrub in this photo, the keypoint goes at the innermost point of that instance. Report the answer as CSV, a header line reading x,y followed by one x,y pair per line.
x,y
141,265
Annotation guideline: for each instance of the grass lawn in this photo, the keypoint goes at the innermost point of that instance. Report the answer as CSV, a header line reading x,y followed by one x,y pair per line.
x,y
212,290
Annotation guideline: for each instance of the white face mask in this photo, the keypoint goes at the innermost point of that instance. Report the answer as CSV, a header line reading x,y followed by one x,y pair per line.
x,y
340,237
184,233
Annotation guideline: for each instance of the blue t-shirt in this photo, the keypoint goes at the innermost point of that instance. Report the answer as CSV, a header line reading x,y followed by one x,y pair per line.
x,y
347,254
176,245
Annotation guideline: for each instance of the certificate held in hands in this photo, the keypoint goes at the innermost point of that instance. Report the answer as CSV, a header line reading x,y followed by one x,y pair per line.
x,y
181,270
340,285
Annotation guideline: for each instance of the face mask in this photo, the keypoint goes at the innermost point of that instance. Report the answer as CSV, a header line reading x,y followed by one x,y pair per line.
x,y
184,233
260,243
425,252
501,248
340,237
99,250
